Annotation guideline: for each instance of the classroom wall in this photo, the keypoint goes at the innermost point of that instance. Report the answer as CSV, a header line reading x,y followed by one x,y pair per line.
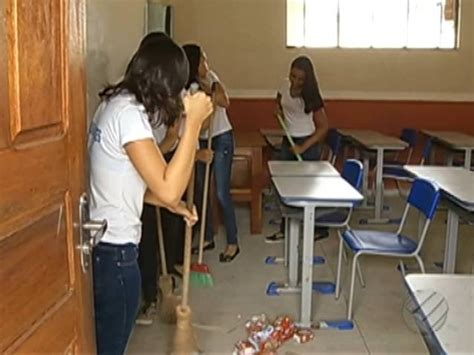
x,y
114,29
245,42
385,90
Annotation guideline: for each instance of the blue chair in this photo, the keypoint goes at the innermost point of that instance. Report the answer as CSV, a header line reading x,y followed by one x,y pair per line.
x,y
353,173
424,196
333,141
398,173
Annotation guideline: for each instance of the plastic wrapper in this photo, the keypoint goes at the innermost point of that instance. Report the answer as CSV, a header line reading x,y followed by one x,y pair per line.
x,y
266,337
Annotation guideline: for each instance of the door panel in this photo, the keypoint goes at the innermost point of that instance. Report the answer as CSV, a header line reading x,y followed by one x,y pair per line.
x,y
45,298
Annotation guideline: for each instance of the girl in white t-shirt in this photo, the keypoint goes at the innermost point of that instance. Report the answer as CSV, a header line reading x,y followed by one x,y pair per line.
x,y
127,168
223,147
299,101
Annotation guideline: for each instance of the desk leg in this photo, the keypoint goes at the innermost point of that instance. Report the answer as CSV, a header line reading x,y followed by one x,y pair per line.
x,y
307,267
256,198
433,154
378,191
449,157
451,243
293,245
467,158
365,184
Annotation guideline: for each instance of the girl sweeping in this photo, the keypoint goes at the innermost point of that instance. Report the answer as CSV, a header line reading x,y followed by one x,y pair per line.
x,y
126,168
300,103
223,147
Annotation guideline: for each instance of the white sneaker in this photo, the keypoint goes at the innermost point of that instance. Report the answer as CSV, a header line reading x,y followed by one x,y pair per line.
x,y
147,314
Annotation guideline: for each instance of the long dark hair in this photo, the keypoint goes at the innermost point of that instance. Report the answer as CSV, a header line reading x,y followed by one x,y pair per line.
x,y
194,54
156,75
310,94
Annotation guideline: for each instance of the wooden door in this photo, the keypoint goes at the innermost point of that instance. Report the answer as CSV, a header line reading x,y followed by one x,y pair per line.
x,y
45,298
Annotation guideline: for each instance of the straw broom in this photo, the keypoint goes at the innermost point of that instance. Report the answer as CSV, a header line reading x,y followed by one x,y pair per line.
x,y
200,273
169,300
184,341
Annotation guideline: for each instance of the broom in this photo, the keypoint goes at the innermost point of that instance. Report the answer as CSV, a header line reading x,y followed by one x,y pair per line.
x,y
200,274
288,136
169,300
184,341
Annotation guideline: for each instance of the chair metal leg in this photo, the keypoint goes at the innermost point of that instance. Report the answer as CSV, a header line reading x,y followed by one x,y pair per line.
x,y
339,266
344,255
351,291
359,275
286,240
420,262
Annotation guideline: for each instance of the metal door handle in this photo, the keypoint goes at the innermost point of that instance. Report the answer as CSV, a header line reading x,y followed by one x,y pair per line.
x,y
87,238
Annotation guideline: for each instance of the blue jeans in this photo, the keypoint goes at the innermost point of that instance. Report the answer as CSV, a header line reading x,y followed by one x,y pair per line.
x,y
312,153
223,147
116,295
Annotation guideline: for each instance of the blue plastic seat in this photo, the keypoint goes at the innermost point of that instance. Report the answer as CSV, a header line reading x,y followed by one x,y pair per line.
x,y
424,197
382,242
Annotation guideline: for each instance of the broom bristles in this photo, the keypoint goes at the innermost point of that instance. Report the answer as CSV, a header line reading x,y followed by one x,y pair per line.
x,y
184,341
203,268
168,308
169,300
200,275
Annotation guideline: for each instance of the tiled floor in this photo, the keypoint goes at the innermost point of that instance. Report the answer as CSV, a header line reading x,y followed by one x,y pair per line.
x,y
382,327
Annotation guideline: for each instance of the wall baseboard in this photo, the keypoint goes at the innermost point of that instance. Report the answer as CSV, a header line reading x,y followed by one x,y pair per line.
x,y
364,95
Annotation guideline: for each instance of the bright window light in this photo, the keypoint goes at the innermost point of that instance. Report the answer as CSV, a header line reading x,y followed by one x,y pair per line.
x,y
372,23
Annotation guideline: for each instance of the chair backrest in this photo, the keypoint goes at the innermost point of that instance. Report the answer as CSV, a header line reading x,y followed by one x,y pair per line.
x,y
410,136
424,196
426,150
353,173
334,142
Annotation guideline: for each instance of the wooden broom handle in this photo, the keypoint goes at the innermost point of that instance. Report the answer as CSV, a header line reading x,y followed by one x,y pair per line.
x,y
187,242
207,176
161,244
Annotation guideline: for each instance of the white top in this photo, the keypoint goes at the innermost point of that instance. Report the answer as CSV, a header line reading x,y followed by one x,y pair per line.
x,y
159,133
299,123
301,168
446,303
116,188
220,123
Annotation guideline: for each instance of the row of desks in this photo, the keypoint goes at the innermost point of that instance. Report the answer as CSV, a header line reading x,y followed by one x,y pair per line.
x,y
313,185
371,141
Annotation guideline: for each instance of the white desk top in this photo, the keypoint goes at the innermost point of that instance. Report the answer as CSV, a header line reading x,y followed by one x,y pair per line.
x,y
374,140
456,140
456,181
456,333
304,168
318,190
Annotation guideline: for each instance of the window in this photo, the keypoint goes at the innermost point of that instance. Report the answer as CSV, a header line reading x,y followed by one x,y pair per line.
x,y
372,23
